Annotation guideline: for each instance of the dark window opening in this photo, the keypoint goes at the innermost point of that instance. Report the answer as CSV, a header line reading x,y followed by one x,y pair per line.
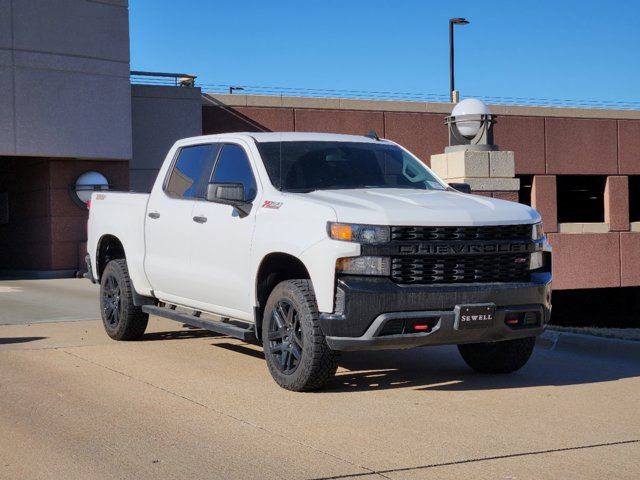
x,y
526,183
580,198
4,208
592,307
634,198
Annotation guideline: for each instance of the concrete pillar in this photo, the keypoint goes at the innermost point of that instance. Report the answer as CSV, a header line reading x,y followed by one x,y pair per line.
x,y
491,174
616,203
544,199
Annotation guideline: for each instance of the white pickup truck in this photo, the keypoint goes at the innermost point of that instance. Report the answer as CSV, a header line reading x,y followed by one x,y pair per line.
x,y
316,243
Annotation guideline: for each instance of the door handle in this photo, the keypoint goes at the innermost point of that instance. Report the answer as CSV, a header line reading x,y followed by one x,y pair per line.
x,y
200,219
154,215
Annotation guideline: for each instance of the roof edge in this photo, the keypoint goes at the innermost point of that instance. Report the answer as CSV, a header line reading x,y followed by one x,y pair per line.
x,y
238,100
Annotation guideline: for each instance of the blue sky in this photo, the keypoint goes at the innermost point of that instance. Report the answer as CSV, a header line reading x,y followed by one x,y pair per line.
x,y
586,50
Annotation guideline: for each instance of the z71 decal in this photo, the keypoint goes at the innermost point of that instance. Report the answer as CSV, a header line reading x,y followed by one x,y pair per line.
x,y
270,204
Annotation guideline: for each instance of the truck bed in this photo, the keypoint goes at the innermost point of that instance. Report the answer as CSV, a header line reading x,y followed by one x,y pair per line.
x,y
121,214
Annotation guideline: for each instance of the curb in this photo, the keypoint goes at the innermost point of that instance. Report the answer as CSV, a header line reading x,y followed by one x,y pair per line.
x,y
589,345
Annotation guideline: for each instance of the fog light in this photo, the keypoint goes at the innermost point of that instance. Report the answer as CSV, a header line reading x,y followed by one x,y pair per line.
x,y
512,318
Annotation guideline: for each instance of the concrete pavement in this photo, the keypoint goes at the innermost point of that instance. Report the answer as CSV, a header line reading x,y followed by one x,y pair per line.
x,y
186,404
35,301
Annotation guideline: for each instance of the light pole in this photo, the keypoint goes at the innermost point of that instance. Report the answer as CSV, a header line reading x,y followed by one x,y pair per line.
x,y
452,88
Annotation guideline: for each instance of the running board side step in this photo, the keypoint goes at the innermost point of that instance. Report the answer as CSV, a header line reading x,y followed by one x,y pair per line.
x,y
246,334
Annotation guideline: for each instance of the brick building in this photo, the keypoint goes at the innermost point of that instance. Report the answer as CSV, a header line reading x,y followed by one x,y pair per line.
x,y
68,106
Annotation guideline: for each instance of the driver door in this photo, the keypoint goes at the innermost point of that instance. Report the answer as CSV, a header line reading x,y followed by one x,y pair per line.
x,y
221,240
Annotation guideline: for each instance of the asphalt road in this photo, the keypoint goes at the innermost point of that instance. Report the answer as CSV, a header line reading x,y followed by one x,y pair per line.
x,y
186,404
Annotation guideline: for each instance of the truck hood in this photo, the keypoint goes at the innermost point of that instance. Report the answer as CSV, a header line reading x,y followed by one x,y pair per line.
x,y
396,206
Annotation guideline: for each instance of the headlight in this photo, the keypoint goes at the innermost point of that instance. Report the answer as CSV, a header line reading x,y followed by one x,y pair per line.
x,y
364,265
537,231
349,232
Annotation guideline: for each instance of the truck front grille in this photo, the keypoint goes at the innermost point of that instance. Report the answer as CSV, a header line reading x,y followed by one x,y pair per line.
x,y
505,267
493,232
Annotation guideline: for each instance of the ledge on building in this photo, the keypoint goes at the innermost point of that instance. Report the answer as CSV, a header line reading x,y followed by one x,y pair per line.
x,y
635,226
589,227
389,105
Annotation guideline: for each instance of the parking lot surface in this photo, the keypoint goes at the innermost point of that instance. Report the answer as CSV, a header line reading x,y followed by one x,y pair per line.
x,y
184,403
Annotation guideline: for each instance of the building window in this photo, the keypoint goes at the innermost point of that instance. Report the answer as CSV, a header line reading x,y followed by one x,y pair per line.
x,y
634,198
526,183
580,198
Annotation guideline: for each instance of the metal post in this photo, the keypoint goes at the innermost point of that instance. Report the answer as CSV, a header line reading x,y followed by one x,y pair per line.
x,y
452,82
451,74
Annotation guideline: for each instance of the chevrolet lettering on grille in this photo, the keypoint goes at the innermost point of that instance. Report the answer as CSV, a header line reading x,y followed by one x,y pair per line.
x,y
464,248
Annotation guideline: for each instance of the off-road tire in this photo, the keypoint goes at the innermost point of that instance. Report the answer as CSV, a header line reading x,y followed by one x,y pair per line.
x,y
498,357
131,321
317,363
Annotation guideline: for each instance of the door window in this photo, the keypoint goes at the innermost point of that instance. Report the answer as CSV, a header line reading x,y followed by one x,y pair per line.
x,y
233,166
191,171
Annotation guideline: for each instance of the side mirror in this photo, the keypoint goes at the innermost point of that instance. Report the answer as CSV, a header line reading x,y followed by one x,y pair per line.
x,y
461,187
229,194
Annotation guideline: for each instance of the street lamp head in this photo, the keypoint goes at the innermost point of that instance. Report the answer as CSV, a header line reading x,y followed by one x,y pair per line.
x,y
470,127
459,21
469,114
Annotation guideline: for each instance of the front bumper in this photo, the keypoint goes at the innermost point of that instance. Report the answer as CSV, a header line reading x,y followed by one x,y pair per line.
x,y
364,305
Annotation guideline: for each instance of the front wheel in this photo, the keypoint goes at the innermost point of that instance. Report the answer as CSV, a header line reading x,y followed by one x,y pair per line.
x,y
296,352
121,318
498,357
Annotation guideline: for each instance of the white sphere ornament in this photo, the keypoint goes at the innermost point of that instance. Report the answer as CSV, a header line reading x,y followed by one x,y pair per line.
x,y
469,106
88,182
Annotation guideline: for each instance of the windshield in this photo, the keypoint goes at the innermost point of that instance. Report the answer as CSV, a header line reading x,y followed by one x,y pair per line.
x,y
308,166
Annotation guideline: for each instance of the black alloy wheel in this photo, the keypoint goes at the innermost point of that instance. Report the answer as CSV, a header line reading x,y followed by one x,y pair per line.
x,y
111,302
296,351
286,340
122,319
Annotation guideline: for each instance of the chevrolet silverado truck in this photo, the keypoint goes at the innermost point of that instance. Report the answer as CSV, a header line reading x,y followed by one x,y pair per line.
x,y
317,243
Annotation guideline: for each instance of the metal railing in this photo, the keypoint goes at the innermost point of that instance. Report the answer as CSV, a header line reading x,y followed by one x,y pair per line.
x,y
188,80
417,96
163,79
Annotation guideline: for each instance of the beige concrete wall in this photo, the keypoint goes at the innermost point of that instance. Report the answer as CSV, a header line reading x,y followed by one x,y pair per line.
x,y
64,78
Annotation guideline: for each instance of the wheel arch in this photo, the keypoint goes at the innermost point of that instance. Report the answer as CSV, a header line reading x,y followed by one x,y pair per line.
x,y
109,248
274,268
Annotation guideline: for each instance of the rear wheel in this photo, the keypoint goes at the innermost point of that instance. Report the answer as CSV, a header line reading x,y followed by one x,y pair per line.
x,y
498,357
296,352
121,318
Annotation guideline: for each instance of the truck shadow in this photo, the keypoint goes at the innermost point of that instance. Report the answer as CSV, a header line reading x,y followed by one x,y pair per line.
x,y
190,332
438,368
441,368
9,340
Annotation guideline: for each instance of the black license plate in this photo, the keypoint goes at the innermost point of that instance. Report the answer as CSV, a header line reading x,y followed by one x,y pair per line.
x,y
474,316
